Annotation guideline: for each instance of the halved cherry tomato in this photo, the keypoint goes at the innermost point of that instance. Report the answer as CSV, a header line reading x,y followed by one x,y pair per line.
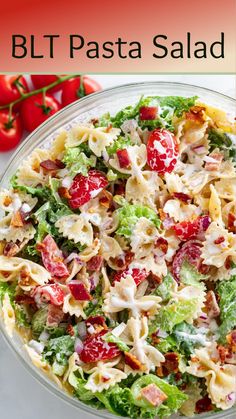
x,y
79,291
96,349
123,157
52,257
162,151
42,80
147,113
139,275
49,292
189,229
76,88
34,111
86,187
11,88
190,252
10,131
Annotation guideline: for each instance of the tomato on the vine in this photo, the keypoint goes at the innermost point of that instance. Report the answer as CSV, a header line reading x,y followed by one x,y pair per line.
x,y
162,151
42,80
35,110
11,130
78,87
11,88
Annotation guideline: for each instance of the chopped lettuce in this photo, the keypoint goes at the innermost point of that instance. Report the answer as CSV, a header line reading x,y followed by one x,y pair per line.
x,y
109,337
6,288
227,293
219,139
94,307
188,337
76,161
189,275
21,315
130,213
41,192
119,144
39,320
59,350
164,289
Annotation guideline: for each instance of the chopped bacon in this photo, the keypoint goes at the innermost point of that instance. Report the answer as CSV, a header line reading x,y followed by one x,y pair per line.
x,y
7,201
227,263
24,299
52,257
64,192
123,157
204,405
171,363
16,220
182,197
52,165
162,245
49,292
223,352
133,362
231,222
147,113
119,188
70,330
138,275
153,395
211,304
96,320
79,290
55,315
95,263
124,260
219,240
106,198
196,114
11,249
231,339
214,165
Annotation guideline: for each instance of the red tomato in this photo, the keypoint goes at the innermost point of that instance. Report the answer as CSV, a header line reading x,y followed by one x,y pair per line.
x,y
137,274
96,349
42,80
34,112
8,88
123,157
79,291
52,257
10,133
86,187
189,229
190,252
162,151
50,292
147,113
72,89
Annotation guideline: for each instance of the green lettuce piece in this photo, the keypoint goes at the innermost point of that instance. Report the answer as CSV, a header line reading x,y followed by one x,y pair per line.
x,y
219,139
59,349
21,315
164,289
6,288
189,275
76,161
43,227
41,192
94,307
227,293
109,337
119,144
188,338
130,213
39,320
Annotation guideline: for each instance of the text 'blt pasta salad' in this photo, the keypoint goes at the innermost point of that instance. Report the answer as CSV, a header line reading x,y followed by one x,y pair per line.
x,y
118,259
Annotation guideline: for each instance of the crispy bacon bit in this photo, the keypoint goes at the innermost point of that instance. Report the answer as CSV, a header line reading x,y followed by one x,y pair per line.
x,y
219,240
231,222
155,339
231,339
25,279
171,363
162,245
214,165
133,362
105,379
147,113
223,352
204,405
95,263
119,188
55,315
52,165
109,128
64,192
7,201
196,114
182,197
79,290
11,249
106,199
211,304
159,371
70,330
16,220
123,157
124,260
96,321
228,262
153,395
24,299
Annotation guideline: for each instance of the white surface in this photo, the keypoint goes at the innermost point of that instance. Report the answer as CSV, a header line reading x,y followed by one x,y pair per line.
x,y
21,396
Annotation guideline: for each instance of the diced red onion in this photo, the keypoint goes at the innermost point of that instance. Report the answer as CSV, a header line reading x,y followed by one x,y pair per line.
x,y
199,149
231,397
73,256
78,345
82,330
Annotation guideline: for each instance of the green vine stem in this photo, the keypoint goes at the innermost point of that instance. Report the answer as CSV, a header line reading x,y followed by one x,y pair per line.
x,y
43,90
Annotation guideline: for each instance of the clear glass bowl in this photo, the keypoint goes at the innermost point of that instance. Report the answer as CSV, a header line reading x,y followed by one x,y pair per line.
x,y
110,100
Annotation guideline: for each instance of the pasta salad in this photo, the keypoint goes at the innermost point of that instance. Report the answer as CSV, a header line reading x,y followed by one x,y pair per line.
x,y
118,259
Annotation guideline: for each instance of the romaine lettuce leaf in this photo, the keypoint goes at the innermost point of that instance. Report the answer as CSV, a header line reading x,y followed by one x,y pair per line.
x,y
164,289
119,144
189,275
130,213
59,349
77,162
219,139
227,293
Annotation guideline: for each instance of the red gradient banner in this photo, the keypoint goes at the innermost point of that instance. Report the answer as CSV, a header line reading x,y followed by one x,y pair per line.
x,y
105,21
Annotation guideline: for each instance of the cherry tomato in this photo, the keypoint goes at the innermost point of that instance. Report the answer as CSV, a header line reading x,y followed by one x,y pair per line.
x,y
10,132
190,252
162,151
10,88
42,80
84,188
123,158
96,349
189,229
34,112
74,89
79,291
49,292
52,257
139,275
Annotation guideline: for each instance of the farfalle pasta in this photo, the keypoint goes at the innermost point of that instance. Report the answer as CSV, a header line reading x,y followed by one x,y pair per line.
x,y
117,259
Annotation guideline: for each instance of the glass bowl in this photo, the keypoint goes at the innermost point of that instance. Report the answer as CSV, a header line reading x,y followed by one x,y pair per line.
x,y
110,100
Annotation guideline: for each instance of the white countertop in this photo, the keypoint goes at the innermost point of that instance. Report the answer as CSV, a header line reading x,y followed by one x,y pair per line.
x,y
21,396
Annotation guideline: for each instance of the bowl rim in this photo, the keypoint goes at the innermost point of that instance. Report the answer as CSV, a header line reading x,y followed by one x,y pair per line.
x,y
39,132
